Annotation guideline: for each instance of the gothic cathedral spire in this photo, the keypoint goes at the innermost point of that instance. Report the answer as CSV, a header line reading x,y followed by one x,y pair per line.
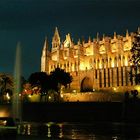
x,y
56,40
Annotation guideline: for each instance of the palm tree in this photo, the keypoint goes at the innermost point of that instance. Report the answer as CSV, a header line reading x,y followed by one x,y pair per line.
x,y
6,85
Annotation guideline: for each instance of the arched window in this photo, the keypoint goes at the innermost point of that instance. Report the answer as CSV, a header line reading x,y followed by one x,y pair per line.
x,y
115,62
123,60
90,63
103,63
98,64
110,62
75,66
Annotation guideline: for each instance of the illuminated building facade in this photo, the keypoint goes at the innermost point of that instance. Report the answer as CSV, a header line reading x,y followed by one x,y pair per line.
x,y
100,64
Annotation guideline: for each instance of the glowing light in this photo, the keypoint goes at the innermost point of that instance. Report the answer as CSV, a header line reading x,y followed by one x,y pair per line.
x,y
126,63
82,66
74,91
54,57
29,96
137,87
113,64
100,65
131,64
61,95
65,58
114,89
3,113
8,97
93,89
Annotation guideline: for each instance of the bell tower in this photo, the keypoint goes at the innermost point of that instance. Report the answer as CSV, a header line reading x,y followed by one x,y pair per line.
x,y
56,46
56,40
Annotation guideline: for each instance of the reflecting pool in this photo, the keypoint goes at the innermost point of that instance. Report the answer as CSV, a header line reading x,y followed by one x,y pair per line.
x,y
78,131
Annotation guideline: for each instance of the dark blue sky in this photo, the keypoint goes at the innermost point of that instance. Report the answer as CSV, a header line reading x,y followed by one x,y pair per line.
x,y
30,21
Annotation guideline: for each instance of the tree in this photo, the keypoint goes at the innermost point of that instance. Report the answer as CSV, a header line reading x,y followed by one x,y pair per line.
x,y
60,77
6,85
40,80
6,82
48,83
135,59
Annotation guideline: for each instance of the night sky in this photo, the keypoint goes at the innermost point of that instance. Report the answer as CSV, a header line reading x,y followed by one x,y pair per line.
x,y
30,21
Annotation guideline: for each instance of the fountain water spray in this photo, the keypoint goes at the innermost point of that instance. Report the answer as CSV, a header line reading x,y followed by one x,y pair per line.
x,y
16,101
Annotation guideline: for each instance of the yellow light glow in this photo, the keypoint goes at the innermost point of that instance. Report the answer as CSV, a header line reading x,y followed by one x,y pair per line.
x,y
131,64
114,89
126,63
75,56
3,113
54,57
34,97
137,87
113,64
61,95
100,65
82,66
29,96
74,91
65,58
8,97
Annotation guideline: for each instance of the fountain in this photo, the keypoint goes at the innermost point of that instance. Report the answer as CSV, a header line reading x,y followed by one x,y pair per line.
x,y
16,101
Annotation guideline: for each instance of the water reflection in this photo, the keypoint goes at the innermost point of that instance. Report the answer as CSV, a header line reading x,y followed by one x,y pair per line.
x,y
81,131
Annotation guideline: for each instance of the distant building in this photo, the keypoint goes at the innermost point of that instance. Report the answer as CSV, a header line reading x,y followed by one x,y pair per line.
x,y
100,64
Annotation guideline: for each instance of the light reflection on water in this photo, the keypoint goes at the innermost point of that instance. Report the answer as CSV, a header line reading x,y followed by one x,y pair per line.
x,y
78,131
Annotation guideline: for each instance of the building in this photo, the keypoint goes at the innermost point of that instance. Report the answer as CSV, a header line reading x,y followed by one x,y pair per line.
x,y
98,64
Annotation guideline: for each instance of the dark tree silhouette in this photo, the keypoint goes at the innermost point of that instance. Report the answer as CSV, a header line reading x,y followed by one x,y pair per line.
x,y
60,77
40,79
135,59
6,85
50,82
5,82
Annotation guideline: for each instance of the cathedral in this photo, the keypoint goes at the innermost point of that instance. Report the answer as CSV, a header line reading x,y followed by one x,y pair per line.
x,y
98,64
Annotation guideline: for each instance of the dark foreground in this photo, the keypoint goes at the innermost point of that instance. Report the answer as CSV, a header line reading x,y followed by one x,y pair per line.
x,y
78,120
78,111
82,112
75,130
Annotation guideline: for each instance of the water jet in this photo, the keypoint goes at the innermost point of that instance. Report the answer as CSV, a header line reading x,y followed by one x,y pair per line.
x,y
16,101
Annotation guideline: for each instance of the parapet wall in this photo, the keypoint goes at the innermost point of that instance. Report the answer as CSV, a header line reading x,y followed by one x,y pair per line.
x,y
92,97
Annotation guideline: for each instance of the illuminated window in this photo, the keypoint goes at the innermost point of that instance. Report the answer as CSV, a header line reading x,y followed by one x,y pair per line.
x,y
104,78
126,61
114,47
96,74
103,65
68,64
102,49
65,53
98,63
126,46
123,60
108,78
90,63
115,62
112,63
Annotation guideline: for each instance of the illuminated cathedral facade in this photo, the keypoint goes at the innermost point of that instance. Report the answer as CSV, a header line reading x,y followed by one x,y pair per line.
x,y
98,64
